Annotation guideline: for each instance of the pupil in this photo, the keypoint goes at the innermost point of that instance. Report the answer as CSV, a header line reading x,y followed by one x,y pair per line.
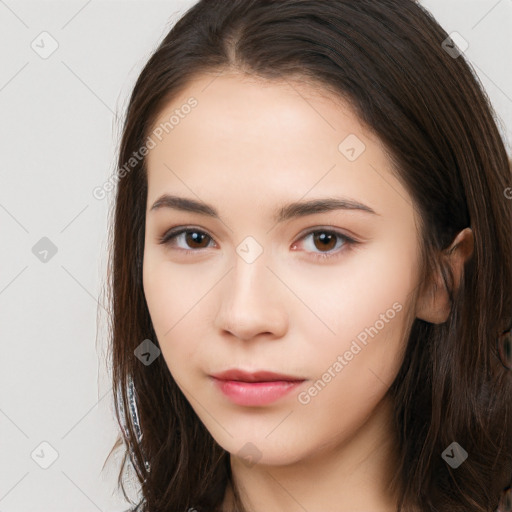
x,y
325,239
193,237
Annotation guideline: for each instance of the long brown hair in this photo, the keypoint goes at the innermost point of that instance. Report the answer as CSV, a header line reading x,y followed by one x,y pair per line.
x,y
389,59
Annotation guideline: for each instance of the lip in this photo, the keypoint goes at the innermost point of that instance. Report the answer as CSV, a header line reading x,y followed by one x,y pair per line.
x,y
257,376
255,388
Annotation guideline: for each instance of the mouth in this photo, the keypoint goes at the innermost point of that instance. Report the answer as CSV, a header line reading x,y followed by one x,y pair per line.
x,y
255,388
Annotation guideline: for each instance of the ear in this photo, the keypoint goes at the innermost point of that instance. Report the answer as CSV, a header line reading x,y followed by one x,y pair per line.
x,y
433,304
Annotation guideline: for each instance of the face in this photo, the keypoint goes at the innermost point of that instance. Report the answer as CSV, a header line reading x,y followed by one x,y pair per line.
x,y
321,294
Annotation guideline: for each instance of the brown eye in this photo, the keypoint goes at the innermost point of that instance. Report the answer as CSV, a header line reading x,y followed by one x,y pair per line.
x,y
322,243
324,240
188,238
195,239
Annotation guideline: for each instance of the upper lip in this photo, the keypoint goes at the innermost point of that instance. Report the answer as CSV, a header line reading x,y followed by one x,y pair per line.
x,y
258,376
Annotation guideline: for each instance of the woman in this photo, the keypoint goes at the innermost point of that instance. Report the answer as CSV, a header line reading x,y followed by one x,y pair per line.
x,y
311,270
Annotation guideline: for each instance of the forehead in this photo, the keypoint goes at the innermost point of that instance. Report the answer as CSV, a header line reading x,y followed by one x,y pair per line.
x,y
252,110
253,138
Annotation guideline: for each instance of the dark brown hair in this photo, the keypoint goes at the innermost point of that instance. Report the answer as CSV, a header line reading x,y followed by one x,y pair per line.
x,y
427,106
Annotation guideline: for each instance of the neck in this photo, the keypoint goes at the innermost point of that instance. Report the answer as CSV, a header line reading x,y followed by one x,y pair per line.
x,y
352,475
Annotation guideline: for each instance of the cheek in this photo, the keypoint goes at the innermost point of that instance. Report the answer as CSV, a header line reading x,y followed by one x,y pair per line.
x,y
172,290
349,297
177,299
366,305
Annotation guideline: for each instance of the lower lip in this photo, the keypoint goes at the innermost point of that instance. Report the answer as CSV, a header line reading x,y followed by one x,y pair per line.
x,y
256,393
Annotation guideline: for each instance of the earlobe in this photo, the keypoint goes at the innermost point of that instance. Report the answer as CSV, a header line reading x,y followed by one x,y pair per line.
x,y
433,304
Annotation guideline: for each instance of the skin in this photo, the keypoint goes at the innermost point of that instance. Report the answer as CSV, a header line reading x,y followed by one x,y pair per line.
x,y
249,147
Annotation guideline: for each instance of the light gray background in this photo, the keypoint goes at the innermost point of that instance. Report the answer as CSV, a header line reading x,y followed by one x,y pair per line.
x,y
60,123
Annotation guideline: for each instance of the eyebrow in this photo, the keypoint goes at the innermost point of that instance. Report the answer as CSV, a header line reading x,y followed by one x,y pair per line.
x,y
286,212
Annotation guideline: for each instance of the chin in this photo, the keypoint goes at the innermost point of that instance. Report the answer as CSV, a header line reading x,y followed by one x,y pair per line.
x,y
250,451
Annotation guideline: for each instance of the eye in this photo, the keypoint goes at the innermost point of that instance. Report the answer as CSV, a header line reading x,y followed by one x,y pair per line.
x,y
327,240
193,238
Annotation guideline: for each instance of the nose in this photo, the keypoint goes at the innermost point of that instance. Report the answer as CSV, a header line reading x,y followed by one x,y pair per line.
x,y
252,302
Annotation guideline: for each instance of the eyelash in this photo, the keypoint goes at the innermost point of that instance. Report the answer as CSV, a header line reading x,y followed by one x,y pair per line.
x,y
175,232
